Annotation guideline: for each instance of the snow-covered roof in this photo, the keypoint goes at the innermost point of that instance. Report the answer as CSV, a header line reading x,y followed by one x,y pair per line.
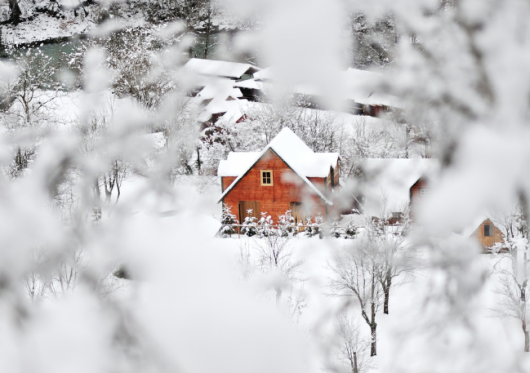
x,y
251,84
360,86
264,74
392,179
293,151
233,70
237,163
236,109
217,105
216,91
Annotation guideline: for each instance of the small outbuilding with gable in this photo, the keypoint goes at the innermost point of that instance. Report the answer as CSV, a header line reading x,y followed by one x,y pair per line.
x,y
486,232
285,175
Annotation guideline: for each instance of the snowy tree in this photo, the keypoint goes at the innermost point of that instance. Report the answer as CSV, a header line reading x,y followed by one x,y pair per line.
x,y
373,42
350,344
26,100
275,256
137,70
228,220
356,271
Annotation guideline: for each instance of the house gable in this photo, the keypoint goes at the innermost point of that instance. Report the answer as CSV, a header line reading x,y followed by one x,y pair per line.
x,y
287,187
496,235
266,153
285,180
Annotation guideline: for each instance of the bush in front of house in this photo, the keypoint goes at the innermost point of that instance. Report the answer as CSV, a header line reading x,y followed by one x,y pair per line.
x,y
250,225
228,220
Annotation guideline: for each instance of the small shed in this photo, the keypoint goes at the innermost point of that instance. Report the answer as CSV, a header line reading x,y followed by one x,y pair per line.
x,y
485,231
285,175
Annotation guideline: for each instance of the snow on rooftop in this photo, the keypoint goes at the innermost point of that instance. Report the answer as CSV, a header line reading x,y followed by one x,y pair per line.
x,y
293,151
217,106
233,70
251,84
237,163
222,91
361,86
264,74
471,228
300,157
392,179
364,87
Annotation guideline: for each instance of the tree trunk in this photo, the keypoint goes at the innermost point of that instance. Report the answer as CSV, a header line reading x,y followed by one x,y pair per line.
x,y
373,324
207,41
387,295
118,189
526,338
386,290
278,295
199,162
373,348
355,368
14,8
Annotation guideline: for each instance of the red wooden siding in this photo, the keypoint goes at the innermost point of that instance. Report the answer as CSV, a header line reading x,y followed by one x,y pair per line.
x,y
274,200
227,180
415,197
496,236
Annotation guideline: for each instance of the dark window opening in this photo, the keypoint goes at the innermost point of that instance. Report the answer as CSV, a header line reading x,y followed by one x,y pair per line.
x,y
487,230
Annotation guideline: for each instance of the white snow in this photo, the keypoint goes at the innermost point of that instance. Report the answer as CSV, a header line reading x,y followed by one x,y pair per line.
x,y
44,27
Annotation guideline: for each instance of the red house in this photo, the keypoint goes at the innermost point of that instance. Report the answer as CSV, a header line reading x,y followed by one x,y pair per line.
x,y
286,175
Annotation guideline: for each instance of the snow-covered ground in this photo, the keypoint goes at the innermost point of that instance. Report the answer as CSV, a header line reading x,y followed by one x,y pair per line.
x,y
44,27
421,330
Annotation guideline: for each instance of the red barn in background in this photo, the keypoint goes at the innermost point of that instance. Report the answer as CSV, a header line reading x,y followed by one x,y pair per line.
x,y
286,175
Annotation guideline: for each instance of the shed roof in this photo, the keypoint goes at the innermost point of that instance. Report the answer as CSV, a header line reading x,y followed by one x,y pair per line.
x,y
293,151
233,70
